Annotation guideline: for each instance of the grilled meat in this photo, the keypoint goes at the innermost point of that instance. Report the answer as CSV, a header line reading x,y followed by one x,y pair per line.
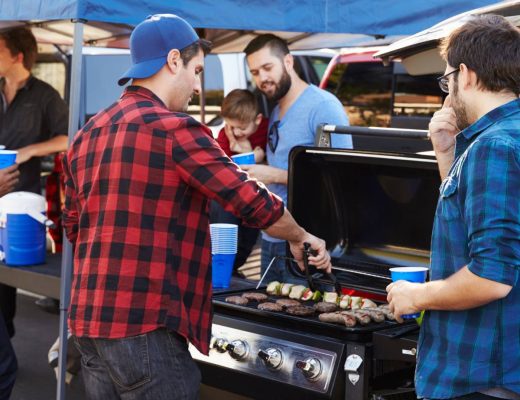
x,y
323,307
338,318
268,306
301,311
361,317
238,300
287,302
254,296
386,310
376,314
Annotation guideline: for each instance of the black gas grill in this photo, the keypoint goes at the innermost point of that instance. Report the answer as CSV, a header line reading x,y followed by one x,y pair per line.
x,y
375,211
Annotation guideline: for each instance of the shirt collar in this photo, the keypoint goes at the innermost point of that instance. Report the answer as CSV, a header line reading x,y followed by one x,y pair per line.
x,y
491,118
143,92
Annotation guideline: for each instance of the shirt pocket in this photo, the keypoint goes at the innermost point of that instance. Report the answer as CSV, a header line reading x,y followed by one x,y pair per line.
x,y
448,207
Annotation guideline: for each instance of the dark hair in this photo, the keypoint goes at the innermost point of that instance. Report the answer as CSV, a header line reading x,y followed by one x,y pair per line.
x,y
277,45
193,49
489,45
21,40
241,105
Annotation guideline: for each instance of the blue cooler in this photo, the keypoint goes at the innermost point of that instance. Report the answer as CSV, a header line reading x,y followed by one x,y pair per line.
x,y
23,228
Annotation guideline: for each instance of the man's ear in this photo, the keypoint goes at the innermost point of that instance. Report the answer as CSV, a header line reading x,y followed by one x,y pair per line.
x,y
174,60
467,77
288,61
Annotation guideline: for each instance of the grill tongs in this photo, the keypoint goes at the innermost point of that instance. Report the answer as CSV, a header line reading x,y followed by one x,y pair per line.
x,y
308,251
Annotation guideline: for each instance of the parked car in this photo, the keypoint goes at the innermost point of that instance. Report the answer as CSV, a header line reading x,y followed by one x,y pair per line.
x,y
381,95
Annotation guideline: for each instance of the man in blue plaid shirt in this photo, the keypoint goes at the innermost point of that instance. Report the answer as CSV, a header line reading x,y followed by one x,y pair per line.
x,y
469,345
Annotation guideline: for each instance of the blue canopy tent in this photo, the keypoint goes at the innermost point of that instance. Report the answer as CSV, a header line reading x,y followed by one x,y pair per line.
x,y
378,18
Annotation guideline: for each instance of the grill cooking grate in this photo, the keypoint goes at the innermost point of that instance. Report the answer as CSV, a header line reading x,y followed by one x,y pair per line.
x,y
252,310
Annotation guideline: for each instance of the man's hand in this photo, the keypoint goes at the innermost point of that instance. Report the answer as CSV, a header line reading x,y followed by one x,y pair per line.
x,y
24,154
8,179
403,298
320,261
443,128
266,174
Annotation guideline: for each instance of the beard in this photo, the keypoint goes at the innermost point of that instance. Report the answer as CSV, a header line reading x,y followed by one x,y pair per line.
x,y
281,87
461,114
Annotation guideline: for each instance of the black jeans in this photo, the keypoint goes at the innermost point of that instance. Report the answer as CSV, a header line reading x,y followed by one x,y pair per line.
x,y
8,364
8,306
153,366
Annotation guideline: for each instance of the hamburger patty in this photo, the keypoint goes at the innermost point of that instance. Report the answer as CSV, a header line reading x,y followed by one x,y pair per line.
x,y
288,302
254,296
270,307
323,307
301,311
238,300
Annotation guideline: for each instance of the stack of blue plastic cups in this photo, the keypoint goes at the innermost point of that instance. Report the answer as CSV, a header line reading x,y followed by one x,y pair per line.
x,y
224,238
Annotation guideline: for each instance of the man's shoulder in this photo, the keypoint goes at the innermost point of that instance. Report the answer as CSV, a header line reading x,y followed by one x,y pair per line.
x,y
317,94
41,86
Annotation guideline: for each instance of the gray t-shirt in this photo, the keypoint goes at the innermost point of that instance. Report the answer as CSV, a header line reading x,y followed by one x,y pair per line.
x,y
298,127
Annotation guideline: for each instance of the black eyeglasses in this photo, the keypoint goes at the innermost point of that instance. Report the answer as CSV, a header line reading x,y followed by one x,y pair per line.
x,y
272,137
443,81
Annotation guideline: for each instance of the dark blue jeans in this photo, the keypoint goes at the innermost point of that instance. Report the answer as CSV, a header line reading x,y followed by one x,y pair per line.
x,y
8,364
278,271
153,366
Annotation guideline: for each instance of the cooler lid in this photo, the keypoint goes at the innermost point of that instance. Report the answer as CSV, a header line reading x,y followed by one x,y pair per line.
x,y
375,210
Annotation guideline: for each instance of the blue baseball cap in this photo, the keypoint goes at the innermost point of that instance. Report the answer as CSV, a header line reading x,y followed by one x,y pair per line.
x,y
151,41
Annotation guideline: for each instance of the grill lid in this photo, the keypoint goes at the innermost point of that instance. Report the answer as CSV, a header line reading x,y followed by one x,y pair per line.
x,y
375,210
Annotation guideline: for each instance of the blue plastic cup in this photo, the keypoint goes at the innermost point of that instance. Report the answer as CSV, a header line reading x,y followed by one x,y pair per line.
x,y
244,158
224,238
7,158
410,274
222,268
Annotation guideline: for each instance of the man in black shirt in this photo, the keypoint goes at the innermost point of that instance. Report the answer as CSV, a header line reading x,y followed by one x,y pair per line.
x,y
33,120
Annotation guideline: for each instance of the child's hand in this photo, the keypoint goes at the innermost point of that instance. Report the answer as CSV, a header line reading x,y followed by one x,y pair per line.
x,y
259,155
241,146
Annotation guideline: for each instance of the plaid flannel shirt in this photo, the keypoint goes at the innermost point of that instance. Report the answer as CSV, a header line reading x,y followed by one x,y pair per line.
x,y
477,224
137,182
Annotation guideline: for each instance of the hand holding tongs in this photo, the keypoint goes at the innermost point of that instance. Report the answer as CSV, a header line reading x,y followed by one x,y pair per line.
x,y
308,251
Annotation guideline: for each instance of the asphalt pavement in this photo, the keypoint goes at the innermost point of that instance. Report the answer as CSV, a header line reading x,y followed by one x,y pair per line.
x,y
36,331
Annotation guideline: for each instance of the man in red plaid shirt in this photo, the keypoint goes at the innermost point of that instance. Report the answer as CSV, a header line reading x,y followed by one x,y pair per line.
x,y
138,178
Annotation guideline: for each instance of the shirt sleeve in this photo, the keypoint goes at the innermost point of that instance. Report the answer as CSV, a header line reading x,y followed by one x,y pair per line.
x,y
56,115
70,211
202,164
332,112
492,210
223,142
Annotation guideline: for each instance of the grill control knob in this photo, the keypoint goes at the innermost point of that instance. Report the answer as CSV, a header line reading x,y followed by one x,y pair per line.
x,y
311,368
220,345
238,349
273,358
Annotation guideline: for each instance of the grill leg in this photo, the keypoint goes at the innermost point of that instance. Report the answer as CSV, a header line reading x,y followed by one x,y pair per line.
x,y
356,379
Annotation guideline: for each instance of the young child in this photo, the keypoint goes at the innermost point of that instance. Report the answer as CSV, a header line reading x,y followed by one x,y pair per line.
x,y
245,128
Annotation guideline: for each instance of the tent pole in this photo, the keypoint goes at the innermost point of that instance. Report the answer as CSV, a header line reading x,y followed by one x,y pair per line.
x,y
66,260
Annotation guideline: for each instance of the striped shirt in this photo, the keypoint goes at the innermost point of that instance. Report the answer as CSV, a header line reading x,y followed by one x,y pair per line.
x,y
137,183
477,224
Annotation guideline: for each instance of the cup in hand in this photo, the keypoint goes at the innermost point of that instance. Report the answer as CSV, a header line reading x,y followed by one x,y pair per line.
x,y
224,238
7,158
244,158
410,274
